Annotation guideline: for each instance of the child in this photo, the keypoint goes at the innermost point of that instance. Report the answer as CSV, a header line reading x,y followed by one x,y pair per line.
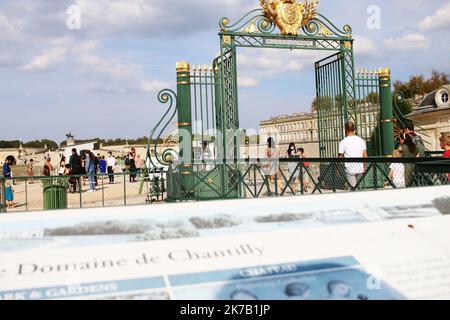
x,y
397,171
446,145
102,165
9,195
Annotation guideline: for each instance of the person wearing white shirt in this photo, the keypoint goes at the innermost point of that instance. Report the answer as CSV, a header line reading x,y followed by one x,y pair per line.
x,y
397,171
353,147
111,164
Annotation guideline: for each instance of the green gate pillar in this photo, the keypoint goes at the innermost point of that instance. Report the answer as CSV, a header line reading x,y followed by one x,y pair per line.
x,y
185,125
386,112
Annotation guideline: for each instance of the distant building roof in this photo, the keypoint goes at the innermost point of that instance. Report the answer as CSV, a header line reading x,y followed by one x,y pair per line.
x,y
437,100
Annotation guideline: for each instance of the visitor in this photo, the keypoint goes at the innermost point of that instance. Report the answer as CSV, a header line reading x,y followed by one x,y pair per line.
x,y
7,168
90,169
410,130
30,169
442,141
397,171
72,180
97,168
9,194
132,164
446,145
83,168
292,167
75,169
410,151
48,167
305,177
102,165
111,164
133,153
272,166
206,156
353,147
139,164
62,166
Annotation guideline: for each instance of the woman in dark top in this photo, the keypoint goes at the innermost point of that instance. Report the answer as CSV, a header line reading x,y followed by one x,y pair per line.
x,y
410,151
132,168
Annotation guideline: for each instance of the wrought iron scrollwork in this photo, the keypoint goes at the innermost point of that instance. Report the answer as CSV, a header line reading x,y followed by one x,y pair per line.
x,y
165,96
322,26
253,22
257,22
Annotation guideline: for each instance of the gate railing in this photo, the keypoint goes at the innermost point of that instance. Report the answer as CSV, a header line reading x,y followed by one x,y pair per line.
x,y
72,192
252,178
243,179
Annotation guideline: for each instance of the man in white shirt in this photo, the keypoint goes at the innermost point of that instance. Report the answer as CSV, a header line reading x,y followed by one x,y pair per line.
x,y
111,164
353,147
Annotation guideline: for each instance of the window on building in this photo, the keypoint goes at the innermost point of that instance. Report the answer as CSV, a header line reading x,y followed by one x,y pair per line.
x,y
444,97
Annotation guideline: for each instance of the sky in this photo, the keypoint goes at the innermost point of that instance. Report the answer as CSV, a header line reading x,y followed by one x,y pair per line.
x,y
102,79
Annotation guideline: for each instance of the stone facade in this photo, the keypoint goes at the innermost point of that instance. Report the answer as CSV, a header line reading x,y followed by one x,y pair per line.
x,y
299,128
432,117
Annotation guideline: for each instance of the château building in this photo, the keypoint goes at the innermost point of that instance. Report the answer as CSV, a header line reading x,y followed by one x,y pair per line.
x,y
299,128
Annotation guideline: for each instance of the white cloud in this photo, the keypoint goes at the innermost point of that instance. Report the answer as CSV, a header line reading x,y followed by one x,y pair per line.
x,y
409,42
365,47
268,63
247,82
440,20
110,75
47,59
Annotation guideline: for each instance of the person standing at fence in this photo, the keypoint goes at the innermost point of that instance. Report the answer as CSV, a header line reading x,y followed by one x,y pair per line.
x,y
139,164
30,169
353,147
9,194
75,169
132,163
420,145
62,166
292,167
446,145
272,167
7,169
111,164
89,165
410,151
102,165
397,171
301,155
48,167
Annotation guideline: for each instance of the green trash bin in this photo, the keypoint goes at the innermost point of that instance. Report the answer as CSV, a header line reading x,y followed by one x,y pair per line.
x,y
55,193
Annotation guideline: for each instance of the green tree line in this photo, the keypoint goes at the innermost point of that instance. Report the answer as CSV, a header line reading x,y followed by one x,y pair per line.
x,y
52,145
419,85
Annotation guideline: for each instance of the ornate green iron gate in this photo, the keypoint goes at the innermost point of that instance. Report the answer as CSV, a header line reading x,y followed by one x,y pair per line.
x,y
207,97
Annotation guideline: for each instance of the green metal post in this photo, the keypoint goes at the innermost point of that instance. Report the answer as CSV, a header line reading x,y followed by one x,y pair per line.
x,y
125,189
103,190
387,116
80,186
2,197
185,124
26,194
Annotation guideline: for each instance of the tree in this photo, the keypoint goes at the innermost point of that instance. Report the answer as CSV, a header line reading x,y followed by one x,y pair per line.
x,y
418,85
